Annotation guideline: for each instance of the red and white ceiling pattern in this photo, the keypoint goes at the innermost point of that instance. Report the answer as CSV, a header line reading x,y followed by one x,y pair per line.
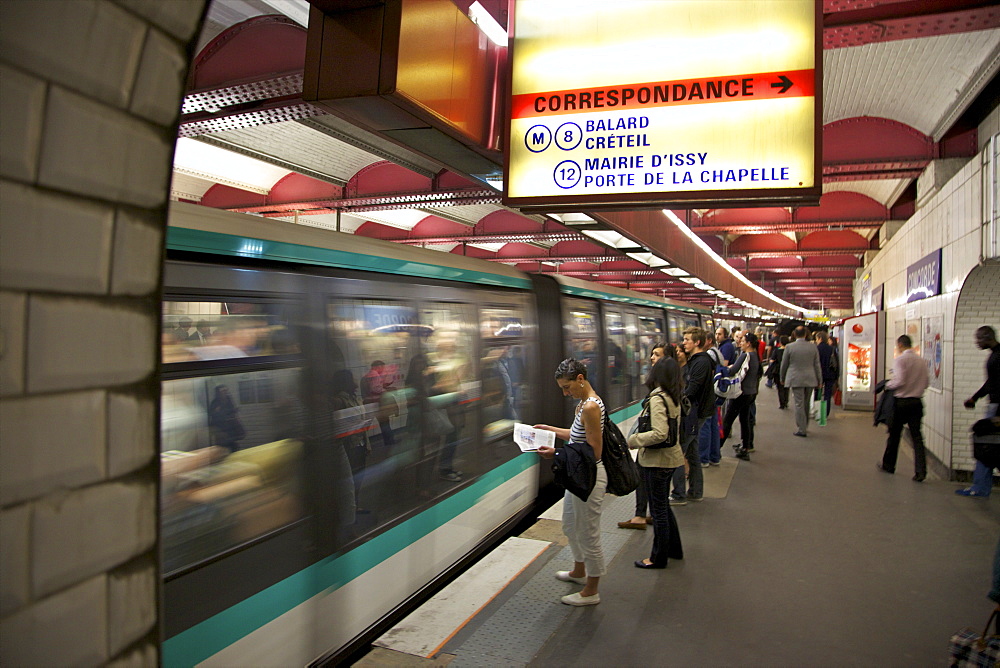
x,y
899,79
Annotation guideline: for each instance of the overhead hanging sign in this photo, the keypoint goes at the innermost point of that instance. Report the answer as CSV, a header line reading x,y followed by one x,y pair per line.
x,y
663,101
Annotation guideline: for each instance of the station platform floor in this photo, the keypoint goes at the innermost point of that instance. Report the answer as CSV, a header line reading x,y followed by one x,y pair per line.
x,y
805,556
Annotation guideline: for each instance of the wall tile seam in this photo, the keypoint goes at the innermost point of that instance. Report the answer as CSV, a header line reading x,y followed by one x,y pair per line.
x,y
142,390
150,639
139,475
137,562
168,133
138,212
152,22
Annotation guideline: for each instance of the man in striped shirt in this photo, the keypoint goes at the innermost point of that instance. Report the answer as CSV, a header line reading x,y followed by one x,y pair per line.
x,y
910,379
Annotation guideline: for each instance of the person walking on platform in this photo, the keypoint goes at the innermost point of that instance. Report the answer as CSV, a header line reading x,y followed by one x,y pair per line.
x,y
709,443
641,497
581,520
774,371
830,366
910,379
801,373
982,476
700,370
659,456
742,405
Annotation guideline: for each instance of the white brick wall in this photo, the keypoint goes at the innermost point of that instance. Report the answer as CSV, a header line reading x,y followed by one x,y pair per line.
x,y
950,219
89,94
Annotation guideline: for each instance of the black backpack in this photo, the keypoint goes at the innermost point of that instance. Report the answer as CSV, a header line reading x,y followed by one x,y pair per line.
x,y
623,473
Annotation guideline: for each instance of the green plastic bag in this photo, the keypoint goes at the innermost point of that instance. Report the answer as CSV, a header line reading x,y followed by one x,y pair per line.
x,y
822,413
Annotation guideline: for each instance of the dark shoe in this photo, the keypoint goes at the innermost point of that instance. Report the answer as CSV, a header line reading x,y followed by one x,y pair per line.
x,y
919,477
696,498
800,433
632,525
678,501
743,454
878,465
642,564
750,449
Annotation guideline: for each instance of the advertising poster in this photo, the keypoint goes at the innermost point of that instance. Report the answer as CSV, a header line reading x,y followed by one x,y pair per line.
x,y
913,331
933,349
859,335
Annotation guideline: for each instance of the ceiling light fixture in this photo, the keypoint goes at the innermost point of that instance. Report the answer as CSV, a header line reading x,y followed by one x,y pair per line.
x,y
482,18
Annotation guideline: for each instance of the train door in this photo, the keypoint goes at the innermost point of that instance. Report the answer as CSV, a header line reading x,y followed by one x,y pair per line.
x,y
616,365
582,338
650,332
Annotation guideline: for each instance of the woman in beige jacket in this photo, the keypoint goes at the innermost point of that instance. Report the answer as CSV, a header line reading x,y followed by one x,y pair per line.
x,y
659,454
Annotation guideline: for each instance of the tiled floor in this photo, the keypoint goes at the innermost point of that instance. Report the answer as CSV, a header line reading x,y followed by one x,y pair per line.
x,y
806,556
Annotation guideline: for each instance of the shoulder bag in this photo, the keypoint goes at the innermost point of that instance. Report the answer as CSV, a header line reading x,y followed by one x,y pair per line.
x,y
645,424
623,472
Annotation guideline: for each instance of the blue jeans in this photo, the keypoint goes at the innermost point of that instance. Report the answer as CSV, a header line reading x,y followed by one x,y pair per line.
x,y
982,476
709,448
695,486
666,538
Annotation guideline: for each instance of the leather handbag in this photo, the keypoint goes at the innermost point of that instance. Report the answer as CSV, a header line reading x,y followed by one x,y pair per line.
x,y
623,472
645,424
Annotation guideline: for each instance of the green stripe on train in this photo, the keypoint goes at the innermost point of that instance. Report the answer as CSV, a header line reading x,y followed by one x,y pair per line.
x,y
179,238
218,632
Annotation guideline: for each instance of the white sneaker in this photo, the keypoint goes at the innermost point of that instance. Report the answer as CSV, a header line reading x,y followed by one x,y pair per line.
x,y
566,577
577,600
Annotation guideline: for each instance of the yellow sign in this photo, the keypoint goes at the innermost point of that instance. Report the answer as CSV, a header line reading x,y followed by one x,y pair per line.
x,y
641,101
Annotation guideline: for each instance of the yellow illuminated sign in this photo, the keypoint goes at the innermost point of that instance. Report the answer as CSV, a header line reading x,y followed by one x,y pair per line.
x,y
662,100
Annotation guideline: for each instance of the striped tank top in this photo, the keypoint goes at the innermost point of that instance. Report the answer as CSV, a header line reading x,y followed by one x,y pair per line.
x,y
577,432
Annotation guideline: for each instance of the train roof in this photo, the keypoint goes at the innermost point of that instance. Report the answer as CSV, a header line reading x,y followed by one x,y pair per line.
x,y
193,227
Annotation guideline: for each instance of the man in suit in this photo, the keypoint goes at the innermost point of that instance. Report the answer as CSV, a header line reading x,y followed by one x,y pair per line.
x,y
801,373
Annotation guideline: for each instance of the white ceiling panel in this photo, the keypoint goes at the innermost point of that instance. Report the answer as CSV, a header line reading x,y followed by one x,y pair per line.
x,y
915,81
883,191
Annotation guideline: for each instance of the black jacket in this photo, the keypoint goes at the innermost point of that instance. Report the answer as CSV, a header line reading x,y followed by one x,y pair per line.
x,y
886,404
698,388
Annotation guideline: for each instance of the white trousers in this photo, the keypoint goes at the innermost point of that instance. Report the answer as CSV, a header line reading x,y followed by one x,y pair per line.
x,y
582,525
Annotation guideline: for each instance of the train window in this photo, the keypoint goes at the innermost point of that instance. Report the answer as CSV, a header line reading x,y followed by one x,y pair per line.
x,y
581,337
453,389
194,331
617,367
503,369
230,461
651,332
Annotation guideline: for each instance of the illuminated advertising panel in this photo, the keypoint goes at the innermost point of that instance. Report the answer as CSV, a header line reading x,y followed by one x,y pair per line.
x,y
647,101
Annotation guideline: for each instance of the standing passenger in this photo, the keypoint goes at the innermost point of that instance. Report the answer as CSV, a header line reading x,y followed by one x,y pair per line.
x,y
909,380
582,519
828,365
774,371
982,477
725,345
800,371
709,440
700,370
641,498
659,457
742,405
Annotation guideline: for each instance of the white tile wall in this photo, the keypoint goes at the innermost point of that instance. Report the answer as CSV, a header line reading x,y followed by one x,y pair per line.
x,y
131,604
14,565
161,79
68,629
22,99
138,253
89,93
950,220
141,656
87,45
131,433
124,160
12,313
53,242
50,442
177,17
89,531
87,343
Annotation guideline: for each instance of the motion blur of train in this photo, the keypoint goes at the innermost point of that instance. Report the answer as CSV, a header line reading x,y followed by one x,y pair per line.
x,y
336,424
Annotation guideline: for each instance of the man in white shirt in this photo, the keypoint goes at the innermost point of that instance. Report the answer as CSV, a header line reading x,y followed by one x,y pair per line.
x,y
910,379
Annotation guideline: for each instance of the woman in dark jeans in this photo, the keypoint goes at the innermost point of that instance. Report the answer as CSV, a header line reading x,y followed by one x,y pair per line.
x,y
742,406
658,461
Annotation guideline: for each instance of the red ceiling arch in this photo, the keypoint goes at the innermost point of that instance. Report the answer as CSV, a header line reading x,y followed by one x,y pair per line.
x,y
262,47
847,239
866,138
843,205
386,177
503,221
300,188
220,196
748,243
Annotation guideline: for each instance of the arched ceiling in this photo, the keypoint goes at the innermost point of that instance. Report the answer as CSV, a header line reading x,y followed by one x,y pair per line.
x,y
903,82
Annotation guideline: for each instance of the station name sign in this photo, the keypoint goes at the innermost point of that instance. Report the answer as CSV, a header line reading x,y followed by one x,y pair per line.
x,y
643,102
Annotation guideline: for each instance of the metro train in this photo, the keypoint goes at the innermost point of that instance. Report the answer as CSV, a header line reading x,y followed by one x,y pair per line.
x,y
336,424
